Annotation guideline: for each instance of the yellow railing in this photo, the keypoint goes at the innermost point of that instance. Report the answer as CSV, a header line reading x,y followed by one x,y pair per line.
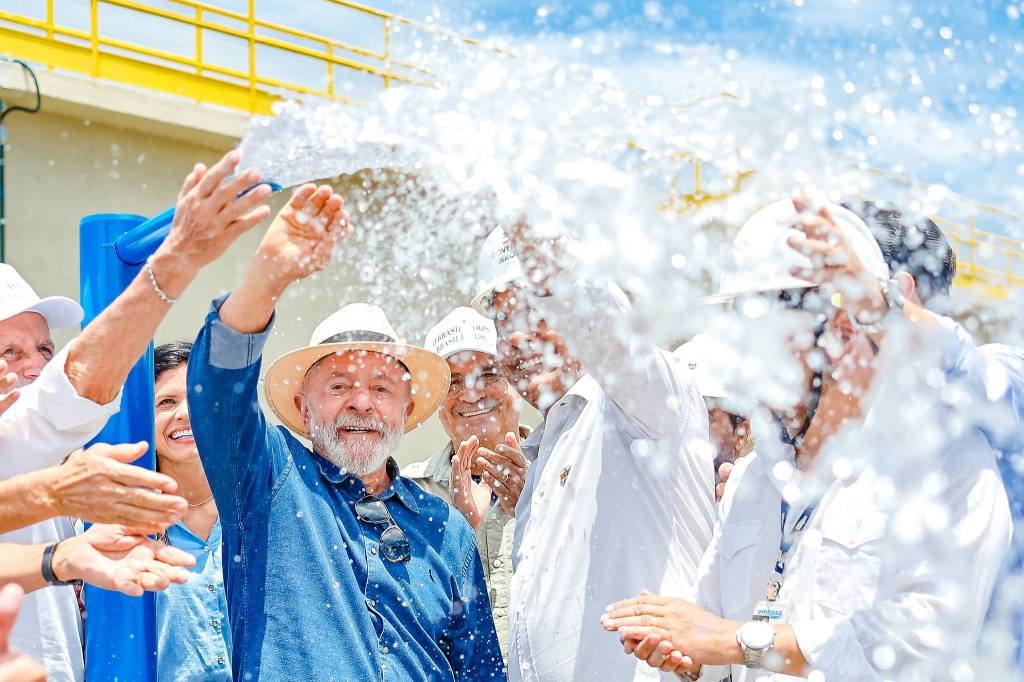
x,y
195,73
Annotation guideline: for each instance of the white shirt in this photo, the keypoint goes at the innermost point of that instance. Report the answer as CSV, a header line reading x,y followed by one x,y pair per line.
x,y
47,422
863,604
620,498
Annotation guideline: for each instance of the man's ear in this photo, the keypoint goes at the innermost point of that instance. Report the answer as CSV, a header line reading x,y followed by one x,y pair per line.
x,y
908,287
741,436
408,410
302,405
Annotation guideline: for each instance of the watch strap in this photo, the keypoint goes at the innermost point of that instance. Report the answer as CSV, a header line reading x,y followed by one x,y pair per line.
x,y
47,567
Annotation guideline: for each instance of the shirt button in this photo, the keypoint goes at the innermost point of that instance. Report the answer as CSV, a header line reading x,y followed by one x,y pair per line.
x,y
497,563
373,550
215,622
206,549
220,660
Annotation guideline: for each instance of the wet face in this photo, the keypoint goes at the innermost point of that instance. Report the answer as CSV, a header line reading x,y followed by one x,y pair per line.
x,y
480,402
729,433
355,406
25,345
174,439
533,356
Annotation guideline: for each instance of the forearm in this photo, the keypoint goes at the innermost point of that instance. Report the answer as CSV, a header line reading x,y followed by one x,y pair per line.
x,y
248,308
110,345
785,656
22,564
26,499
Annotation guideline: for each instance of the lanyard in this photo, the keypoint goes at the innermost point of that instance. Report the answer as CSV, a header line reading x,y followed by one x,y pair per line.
x,y
786,541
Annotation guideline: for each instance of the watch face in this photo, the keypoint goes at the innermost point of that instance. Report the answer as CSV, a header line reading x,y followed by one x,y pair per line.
x,y
756,634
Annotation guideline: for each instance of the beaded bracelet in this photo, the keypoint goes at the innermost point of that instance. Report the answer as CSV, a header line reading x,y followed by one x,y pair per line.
x,y
156,287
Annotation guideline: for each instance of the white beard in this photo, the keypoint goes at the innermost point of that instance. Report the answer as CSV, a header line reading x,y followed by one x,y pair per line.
x,y
360,458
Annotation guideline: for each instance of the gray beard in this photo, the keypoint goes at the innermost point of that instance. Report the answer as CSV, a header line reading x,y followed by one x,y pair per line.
x,y
358,459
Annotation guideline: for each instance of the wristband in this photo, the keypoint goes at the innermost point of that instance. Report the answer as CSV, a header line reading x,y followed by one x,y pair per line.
x,y
47,568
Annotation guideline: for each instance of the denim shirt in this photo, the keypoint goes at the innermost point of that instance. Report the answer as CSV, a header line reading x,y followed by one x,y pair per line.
x,y
309,594
191,619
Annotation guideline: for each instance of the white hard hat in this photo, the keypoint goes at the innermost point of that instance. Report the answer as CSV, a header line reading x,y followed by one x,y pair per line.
x,y
497,267
763,258
698,355
463,329
16,296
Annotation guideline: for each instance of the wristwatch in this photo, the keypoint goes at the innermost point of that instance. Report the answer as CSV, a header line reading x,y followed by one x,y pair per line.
x,y
894,301
47,568
755,638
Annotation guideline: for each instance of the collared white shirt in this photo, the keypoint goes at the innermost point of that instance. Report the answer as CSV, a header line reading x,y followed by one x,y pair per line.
x,y
866,602
47,422
619,498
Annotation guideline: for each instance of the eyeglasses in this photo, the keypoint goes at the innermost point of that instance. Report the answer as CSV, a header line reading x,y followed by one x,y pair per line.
x,y
482,380
394,545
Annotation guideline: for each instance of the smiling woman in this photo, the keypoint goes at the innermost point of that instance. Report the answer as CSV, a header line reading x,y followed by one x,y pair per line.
x,y
194,640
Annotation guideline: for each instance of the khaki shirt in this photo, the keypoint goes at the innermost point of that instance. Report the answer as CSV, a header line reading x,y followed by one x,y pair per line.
x,y
493,537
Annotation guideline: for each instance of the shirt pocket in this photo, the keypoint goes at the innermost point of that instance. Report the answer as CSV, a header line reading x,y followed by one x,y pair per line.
x,y
736,549
849,562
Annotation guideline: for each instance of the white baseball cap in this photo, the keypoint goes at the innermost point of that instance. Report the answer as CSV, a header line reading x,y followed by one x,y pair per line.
x,y
16,297
496,268
763,258
698,355
463,329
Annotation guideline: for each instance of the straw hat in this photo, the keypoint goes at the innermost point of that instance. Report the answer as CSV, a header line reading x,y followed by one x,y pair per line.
x,y
357,326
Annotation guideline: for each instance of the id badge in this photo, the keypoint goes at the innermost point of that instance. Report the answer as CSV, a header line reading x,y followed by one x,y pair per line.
x,y
771,612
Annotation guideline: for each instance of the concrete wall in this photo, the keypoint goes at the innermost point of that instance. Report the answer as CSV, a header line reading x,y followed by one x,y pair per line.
x,y
71,160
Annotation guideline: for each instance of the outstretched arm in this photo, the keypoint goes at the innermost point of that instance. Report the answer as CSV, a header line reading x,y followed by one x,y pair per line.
x,y
209,216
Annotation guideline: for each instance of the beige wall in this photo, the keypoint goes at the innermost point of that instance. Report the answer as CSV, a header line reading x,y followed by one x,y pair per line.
x,y
61,167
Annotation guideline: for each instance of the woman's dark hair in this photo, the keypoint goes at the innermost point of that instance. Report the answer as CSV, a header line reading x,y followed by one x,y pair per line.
x,y
170,356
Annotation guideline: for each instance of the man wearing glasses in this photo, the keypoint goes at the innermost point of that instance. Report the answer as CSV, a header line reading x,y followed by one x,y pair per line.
x,y
481,469
336,567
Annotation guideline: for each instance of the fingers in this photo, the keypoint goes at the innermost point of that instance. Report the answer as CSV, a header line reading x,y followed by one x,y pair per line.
x,y
657,657
513,454
172,556
644,598
10,601
142,520
241,209
8,400
468,449
677,662
503,462
8,380
301,195
223,168
130,475
124,452
725,471
192,179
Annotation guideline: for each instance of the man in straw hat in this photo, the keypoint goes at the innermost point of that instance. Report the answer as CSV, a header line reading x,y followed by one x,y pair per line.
x,y
336,567
481,469
827,562
619,496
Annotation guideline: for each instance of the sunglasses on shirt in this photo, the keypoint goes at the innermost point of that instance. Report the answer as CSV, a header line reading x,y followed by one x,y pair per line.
x,y
394,545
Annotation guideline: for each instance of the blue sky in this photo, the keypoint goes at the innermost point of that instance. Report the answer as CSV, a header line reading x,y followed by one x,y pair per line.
x,y
953,69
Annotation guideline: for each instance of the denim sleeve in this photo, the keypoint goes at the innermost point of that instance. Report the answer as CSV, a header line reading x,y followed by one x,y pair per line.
x,y
241,453
475,654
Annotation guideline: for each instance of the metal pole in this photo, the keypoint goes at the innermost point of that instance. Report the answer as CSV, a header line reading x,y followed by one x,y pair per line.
x,y
120,631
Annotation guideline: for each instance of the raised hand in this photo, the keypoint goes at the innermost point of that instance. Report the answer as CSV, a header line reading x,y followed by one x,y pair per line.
x,y
14,665
8,387
460,486
114,558
724,471
303,235
835,265
503,471
210,214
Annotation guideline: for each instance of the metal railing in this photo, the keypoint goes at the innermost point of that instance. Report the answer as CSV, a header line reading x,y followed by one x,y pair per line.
x,y
100,50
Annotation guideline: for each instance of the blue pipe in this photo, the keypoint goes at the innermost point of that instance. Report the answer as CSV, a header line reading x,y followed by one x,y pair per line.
x,y
120,631
134,247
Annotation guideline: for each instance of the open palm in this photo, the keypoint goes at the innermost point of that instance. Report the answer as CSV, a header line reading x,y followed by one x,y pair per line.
x,y
305,232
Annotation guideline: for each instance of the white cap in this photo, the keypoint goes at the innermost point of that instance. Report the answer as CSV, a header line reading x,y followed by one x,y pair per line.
x,y
496,268
463,329
698,355
763,258
16,297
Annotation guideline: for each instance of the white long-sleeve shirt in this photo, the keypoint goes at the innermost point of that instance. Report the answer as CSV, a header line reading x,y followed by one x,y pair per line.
x,y
47,422
867,599
620,498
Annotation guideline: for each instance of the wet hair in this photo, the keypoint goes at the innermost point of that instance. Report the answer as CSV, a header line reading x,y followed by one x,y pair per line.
x,y
917,247
170,356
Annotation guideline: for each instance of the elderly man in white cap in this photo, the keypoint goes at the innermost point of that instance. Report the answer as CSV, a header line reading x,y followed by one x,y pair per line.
x,y
619,494
67,397
336,566
481,469
829,561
